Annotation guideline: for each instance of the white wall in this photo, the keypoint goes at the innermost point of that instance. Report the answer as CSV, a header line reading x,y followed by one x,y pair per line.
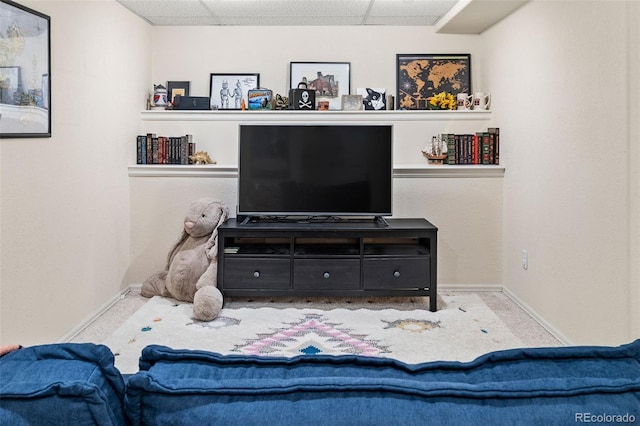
x,y
467,211
65,200
560,77
192,53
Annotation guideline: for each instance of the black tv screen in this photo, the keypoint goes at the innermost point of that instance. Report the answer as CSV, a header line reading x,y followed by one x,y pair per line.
x,y
315,170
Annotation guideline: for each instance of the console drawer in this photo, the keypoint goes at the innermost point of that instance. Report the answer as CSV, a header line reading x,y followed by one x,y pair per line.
x,y
396,273
256,273
326,274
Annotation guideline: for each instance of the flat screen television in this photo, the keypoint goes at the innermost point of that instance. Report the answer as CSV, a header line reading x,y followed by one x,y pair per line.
x,y
315,170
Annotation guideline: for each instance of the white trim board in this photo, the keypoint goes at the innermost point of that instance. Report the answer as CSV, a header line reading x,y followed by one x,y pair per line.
x,y
536,316
470,287
96,314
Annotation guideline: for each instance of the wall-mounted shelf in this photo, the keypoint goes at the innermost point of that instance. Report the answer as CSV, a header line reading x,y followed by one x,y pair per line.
x,y
315,116
399,171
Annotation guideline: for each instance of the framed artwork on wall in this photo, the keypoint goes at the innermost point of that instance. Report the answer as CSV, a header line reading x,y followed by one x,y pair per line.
x,y
352,103
420,76
25,74
227,91
330,80
175,88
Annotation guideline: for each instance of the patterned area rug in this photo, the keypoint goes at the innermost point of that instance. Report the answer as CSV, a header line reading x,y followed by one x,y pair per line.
x,y
463,329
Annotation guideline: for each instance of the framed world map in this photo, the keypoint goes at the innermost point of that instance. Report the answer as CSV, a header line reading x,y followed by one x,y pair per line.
x,y
420,76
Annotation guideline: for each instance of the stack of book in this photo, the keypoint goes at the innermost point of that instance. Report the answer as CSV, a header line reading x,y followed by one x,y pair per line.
x,y
153,149
478,148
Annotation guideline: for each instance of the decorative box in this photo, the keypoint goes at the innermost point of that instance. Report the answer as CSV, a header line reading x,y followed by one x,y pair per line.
x,y
260,98
191,102
302,98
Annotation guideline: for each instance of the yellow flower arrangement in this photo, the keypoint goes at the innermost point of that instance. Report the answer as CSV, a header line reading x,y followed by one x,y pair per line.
x,y
442,100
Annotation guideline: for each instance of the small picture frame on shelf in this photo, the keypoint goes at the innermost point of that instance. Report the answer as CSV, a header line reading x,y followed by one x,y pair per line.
x,y
177,88
421,76
330,80
352,103
230,91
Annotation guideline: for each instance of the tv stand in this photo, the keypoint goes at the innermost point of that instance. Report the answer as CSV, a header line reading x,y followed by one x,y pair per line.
x,y
342,258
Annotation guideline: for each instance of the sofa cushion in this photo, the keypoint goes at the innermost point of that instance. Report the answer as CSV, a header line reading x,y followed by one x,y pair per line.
x,y
70,383
536,385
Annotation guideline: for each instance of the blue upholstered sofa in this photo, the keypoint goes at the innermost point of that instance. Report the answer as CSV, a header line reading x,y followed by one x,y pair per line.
x,y
77,384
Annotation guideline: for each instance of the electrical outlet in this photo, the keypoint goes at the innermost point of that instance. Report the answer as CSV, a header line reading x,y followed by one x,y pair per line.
x,y
525,259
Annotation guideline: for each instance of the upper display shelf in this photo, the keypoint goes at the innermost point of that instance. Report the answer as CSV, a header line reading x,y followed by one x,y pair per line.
x,y
317,116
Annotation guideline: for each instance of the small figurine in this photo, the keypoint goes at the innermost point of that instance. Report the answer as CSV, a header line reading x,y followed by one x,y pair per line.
x,y
159,96
201,157
281,102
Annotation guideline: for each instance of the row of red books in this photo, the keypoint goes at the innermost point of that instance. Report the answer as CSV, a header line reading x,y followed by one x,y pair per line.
x,y
478,148
153,149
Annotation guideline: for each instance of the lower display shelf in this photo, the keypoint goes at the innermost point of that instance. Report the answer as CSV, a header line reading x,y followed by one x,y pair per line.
x,y
399,171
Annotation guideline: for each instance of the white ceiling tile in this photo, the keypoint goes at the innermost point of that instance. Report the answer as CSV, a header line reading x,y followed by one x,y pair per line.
x,y
290,12
183,20
307,8
290,21
411,7
168,8
402,20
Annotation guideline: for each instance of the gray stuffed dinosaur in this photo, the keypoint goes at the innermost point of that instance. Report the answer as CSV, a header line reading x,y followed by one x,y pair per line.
x,y
192,265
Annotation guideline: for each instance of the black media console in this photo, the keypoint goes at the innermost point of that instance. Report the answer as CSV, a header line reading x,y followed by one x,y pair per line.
x,y
344,258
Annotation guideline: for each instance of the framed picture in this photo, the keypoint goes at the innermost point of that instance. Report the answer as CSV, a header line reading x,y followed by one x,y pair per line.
x,y
25,74
421,76
352,102
330,80
227,91
175,88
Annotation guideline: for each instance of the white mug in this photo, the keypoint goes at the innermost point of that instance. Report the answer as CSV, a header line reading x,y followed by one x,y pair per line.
x,y
481,101
464,101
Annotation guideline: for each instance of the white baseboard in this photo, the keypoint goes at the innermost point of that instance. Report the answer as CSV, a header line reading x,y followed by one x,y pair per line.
x,y
95,315
470,287
544,323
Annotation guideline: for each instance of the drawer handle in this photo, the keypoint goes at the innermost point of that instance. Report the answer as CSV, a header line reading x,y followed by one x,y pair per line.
x,y
396,274
326,275
256,274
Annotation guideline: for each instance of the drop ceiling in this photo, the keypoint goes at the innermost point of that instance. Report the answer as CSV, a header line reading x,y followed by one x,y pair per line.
x,y
322,12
